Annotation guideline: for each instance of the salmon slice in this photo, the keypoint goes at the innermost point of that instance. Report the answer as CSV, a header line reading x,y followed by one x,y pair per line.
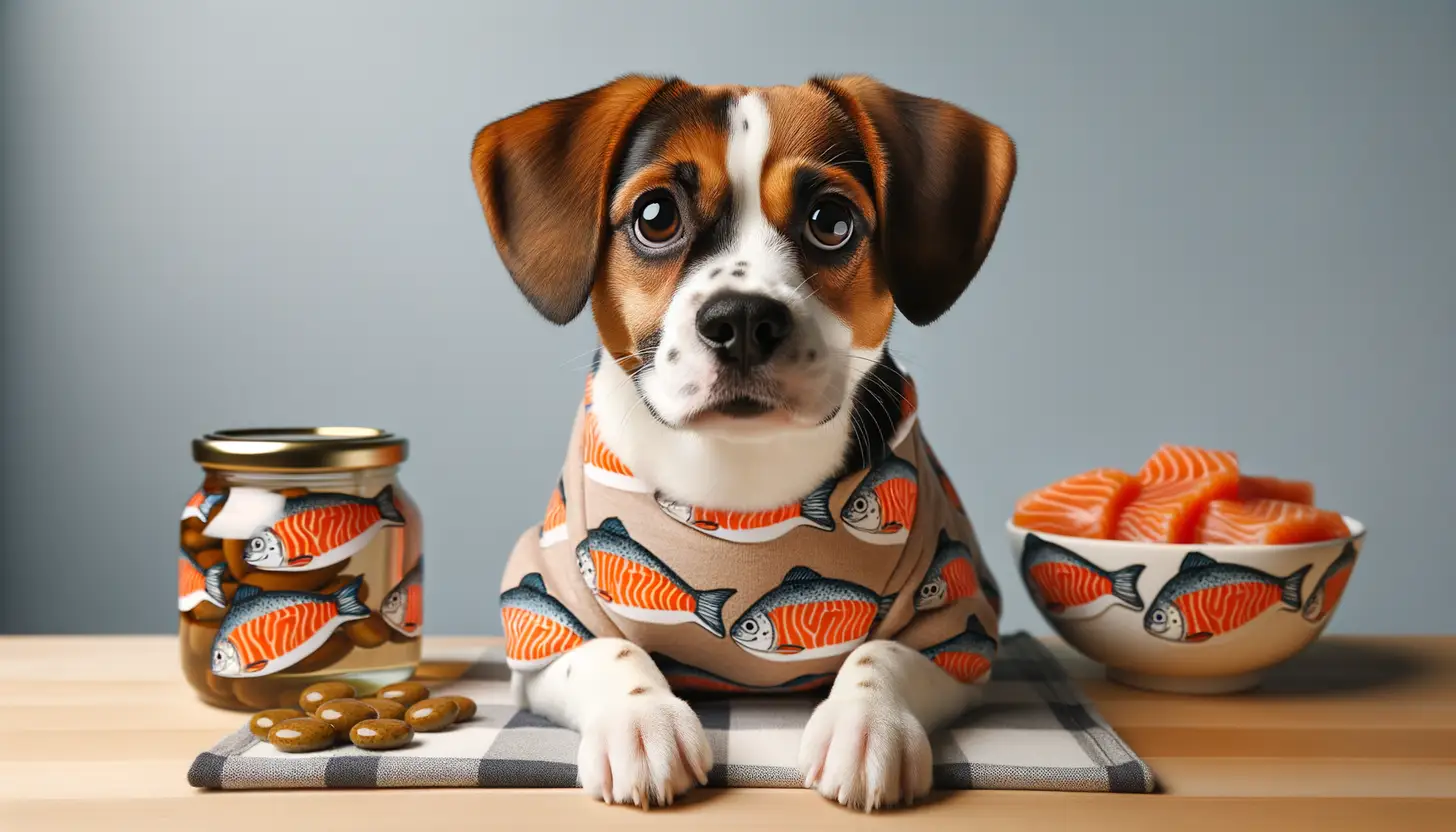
x,y
1268,522
1273,488
1177,484
1085,505
1180,463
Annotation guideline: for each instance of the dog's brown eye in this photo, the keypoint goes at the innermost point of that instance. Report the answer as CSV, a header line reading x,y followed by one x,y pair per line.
x,y
657,222
830,224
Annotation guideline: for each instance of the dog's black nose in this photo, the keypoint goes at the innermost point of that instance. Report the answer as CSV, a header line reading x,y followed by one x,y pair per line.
x,y
744,329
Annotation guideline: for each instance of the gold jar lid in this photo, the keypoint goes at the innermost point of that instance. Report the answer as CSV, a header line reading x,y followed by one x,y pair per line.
x,y
299,449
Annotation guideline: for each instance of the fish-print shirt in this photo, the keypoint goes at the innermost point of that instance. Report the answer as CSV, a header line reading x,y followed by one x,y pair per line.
x,y
729,601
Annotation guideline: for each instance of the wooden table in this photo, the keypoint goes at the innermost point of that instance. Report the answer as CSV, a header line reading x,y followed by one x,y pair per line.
x,y
1354,733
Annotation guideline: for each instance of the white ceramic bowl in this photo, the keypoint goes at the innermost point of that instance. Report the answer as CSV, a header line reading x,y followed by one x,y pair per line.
x,y
1195,618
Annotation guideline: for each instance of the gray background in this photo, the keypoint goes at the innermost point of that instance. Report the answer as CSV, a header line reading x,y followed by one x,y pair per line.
x,y
1233,226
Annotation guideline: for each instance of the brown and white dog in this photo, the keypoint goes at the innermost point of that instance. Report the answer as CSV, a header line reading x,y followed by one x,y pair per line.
x,y
744,251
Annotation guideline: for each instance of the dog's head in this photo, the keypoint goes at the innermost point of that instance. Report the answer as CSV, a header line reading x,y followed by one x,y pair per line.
x,y
744,249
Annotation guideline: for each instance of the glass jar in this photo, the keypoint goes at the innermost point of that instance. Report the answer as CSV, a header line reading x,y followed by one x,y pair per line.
x,y
301,561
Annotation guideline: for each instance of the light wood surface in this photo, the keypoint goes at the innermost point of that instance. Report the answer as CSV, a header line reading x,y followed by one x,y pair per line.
x,y
1352,734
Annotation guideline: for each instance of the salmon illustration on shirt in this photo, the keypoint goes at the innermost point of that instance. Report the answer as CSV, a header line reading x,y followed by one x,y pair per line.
x,y
631,582
196,585
809,616
952,575
321,529
538,628
1331,586
601,465
1067,585
945,484
553,528
265,632
201,504
755,526
685,678
882,507
404,606
968,655
1207,598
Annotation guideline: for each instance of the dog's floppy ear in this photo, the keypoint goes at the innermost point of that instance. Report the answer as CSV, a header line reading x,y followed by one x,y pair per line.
x,y
542,175
942,178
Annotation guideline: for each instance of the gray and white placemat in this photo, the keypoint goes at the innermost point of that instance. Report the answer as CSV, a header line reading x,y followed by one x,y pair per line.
x,y
1035,731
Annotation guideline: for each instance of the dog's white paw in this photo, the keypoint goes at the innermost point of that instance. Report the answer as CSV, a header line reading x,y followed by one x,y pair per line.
x,y
646,751
865,752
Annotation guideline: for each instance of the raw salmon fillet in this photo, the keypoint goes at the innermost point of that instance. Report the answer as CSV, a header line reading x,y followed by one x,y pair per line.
x,y
1086,505
1177,484
1269,522
1273,488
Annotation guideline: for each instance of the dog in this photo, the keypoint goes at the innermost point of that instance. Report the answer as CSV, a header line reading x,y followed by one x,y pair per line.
x,y
748,497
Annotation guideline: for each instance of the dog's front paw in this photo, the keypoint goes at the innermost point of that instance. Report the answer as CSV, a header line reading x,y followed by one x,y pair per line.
x,y
647,750
866,753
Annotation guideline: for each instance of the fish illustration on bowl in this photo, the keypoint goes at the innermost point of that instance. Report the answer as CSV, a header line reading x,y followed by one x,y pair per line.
x,y
1208,598
1331,587
1067,585
320,529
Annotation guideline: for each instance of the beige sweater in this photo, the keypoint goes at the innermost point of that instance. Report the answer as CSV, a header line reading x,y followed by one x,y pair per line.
x,y
764,601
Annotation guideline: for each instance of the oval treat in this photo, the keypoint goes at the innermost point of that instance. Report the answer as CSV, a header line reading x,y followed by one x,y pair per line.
x,y
304,733
386,708
263,721
316,695
381,734
405,693
432,715
466,705
344,714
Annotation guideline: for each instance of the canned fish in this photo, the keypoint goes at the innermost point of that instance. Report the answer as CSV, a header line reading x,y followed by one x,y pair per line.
x,y
300,561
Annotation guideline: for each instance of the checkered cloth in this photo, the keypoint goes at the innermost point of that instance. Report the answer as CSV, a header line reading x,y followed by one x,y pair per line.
x,y
1034,731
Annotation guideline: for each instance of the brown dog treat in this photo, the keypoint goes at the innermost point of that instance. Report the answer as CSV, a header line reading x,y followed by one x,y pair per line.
x,y
211,614
197,637
194,541
321,581
405,693
263,721
232,552
317,694
342,581
344,714
381,734
466,705
263,693
429,715
368,632
386,708
330,653
302,734
209,557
